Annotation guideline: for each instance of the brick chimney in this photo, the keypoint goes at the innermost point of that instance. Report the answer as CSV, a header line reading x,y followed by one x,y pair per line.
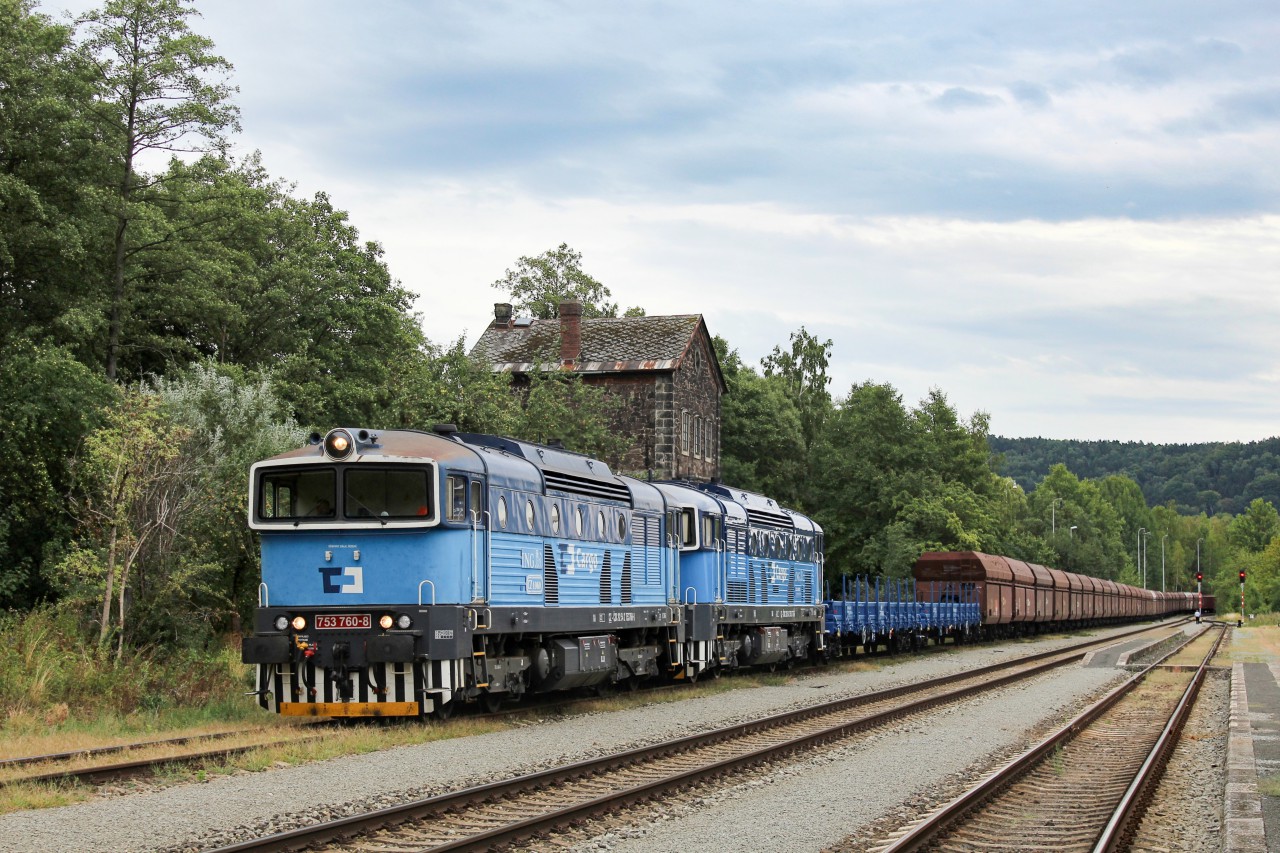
x,y
570,331
501,315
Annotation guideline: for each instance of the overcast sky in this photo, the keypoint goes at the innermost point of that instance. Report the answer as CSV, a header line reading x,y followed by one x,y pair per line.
x,y
1066,214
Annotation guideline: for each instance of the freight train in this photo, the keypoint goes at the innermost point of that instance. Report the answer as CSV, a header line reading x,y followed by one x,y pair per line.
x,y
407,573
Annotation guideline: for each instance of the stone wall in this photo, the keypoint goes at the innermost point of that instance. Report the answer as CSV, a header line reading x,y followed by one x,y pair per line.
x,y
696,414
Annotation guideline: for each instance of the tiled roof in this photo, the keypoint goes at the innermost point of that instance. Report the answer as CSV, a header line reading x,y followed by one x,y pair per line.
x,y
608,344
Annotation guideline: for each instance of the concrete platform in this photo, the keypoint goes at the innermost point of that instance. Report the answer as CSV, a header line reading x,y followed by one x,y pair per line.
x,y
1252,820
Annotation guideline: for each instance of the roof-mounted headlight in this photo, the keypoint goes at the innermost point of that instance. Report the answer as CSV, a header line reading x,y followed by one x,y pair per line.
x,y
338,444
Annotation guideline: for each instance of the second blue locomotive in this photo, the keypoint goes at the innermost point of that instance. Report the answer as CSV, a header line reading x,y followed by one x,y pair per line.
x,y
406,572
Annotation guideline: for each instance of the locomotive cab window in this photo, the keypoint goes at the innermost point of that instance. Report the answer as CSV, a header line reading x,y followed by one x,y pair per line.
x,y
709,531
456,498
386,493
294,494
688,522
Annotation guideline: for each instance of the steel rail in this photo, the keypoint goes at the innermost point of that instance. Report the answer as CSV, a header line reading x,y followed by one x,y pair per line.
x,y
1030,665
926,832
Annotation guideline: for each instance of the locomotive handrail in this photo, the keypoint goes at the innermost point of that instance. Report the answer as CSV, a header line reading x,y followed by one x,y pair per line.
x,y
722,569
488,557
433,592
264,595
688,590
475,558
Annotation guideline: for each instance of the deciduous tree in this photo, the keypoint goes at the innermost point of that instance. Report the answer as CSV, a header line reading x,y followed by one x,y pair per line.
x,y
161,91
538,285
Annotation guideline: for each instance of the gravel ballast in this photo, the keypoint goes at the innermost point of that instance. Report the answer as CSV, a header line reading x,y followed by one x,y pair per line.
x,y
828,795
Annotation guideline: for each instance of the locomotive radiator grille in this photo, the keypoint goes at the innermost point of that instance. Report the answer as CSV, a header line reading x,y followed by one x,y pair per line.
x,y
626,578
550,577
606,579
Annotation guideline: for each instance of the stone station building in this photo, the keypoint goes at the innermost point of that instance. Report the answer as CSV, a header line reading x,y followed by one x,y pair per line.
x,y
664,369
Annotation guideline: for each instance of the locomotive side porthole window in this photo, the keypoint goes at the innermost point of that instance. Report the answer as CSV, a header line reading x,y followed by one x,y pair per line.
x,y
622,526
601,531
577,522
529,516
555,518
502,512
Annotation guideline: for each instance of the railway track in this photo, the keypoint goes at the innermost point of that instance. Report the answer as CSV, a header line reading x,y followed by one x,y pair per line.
x,y
1084,787
62,766
511,811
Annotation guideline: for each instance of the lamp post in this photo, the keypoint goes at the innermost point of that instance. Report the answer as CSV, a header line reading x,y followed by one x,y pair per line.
x,y
1141,576
1162,538
1053,518
1073,531
1198,541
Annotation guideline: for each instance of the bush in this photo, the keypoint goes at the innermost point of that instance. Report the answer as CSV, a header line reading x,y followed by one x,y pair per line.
x,y
56,671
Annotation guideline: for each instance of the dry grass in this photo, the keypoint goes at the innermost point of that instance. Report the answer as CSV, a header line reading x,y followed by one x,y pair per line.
x,y
28,734
1252,644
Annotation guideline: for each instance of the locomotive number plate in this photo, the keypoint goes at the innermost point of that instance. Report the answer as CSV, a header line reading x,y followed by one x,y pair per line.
x,y
343,621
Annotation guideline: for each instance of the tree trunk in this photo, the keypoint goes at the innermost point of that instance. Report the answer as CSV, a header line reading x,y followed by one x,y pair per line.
x,y
111,575
117,292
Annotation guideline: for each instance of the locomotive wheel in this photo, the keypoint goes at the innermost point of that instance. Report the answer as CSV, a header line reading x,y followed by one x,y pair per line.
x,y
445,711
491,702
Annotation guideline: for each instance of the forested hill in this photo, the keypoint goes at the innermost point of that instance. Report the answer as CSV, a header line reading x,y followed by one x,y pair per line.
x,y
1209,478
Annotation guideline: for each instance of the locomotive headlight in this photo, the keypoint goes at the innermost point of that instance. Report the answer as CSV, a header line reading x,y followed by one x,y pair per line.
x,y
386,621
403,621
337,444
299,623
282,622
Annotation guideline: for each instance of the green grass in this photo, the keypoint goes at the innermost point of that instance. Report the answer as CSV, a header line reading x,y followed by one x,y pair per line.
x,y
1269,786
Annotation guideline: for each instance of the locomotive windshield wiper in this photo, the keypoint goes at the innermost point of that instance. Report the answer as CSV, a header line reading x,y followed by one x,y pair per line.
x,y
382,517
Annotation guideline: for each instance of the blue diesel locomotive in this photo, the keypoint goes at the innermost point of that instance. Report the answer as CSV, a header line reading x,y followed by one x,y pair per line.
x,y
407,572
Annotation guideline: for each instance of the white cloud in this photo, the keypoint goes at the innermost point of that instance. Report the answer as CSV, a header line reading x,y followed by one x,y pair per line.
x,y
1082,241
